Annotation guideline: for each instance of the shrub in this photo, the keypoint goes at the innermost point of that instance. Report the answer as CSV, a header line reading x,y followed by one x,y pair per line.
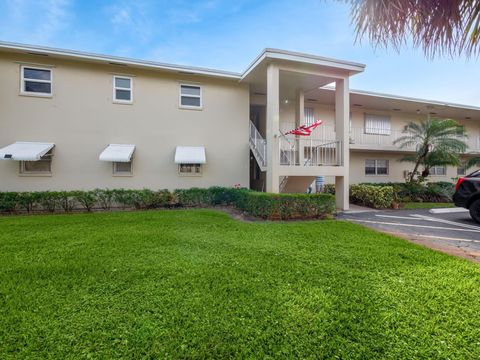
x,y
28,200
66,200
194,197
287,206
123,197
373,196
104,198
86,198
8,201
48,200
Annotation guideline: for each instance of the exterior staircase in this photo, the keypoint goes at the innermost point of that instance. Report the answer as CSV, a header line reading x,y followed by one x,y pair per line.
x,y
258,145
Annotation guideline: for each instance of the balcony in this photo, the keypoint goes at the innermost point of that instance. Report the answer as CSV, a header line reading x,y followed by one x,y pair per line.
x,y
363,140
310,152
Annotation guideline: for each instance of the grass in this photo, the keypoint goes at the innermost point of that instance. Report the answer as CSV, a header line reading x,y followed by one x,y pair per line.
x,y
197,284
427,205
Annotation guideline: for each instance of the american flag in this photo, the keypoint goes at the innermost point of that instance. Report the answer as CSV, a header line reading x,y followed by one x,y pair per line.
x,y
305,130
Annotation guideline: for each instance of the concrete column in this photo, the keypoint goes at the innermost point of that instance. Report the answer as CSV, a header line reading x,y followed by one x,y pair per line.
x,y
273,128
342,123
300,120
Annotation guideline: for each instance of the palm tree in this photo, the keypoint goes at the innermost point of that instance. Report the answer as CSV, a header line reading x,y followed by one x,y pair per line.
x,y
438,26
437,142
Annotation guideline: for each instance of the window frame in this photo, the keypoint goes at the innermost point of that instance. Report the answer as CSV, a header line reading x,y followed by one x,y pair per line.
x,y
117,173
115,88
200,173
23,79
376,167
180,95
23,172
433,170
373,131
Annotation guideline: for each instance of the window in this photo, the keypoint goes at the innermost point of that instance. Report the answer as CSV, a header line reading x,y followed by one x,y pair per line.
x,y
36,81
438,170
122,89
39,167
309,114
461,170
122,168
190,96
376,167
190,169
377,124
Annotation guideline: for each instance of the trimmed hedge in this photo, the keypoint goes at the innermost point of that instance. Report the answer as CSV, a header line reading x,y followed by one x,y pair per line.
x,y
378,197
263,205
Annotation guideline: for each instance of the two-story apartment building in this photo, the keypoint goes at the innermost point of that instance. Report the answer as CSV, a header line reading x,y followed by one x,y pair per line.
x,y
75,120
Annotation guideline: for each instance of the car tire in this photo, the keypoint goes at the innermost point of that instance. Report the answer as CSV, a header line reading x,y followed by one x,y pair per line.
x,y
475,210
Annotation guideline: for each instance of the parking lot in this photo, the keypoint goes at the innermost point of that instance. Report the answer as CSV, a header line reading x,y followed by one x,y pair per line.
x,y
452,231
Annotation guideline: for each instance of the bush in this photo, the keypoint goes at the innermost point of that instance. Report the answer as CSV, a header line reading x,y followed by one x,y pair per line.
x,y
8,201
287,206
66,200
104,198
374,196
194,197
441,191
267,206
87,199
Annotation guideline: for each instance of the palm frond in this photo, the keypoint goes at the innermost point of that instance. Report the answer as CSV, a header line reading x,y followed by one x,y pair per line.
x,y
445,27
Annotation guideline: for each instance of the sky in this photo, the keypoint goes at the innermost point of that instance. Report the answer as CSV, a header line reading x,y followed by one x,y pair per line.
x,y
228,35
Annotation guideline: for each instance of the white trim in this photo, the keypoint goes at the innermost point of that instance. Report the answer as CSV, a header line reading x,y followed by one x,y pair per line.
x,y
193,165
190,107
119,60
117,173
115,88
23,79
376,167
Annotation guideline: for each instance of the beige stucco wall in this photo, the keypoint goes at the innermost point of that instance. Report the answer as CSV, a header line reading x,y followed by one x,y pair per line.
x,y
81,120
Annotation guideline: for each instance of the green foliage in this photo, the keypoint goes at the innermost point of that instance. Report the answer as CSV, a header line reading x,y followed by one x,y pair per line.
x,y
437,142
288,206
196,284
378,197
104,197
8,201
267,206
87,199
66,200
414,191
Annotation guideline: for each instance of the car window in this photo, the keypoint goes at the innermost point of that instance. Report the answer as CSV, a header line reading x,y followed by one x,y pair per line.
x,y
475,174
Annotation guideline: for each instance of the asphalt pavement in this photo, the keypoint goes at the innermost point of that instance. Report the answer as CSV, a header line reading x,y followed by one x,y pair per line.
x,y
448,230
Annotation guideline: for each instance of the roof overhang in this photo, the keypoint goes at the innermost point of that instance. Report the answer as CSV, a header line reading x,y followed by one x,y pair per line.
x,y
114,60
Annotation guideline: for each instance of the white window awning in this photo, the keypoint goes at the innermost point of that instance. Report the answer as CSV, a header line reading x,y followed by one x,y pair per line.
x,y
117,153
190,155
25,151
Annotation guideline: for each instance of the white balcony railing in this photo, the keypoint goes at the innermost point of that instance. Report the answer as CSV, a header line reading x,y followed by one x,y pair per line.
x,y
310,152
361,138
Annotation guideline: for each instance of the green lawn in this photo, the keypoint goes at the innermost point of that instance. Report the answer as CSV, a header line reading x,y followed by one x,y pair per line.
x,y
427,205
196,284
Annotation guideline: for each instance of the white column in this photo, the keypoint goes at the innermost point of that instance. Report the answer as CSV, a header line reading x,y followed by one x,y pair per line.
x,y
300,120
342,123
273,128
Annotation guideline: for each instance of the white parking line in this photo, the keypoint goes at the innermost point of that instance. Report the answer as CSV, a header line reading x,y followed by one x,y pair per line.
x,y
448,238
428,218
412,225
396,217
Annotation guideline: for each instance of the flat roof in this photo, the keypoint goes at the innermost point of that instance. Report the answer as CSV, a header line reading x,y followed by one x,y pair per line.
x,y
268,53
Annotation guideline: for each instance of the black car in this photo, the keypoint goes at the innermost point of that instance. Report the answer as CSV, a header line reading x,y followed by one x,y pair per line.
x,y
467,194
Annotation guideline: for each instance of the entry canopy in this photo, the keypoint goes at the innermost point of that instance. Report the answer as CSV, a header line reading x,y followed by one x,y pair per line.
x,y
117,153
25,151
190,155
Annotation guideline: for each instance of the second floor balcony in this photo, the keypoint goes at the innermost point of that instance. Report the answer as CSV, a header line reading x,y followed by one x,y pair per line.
x,y
376,139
